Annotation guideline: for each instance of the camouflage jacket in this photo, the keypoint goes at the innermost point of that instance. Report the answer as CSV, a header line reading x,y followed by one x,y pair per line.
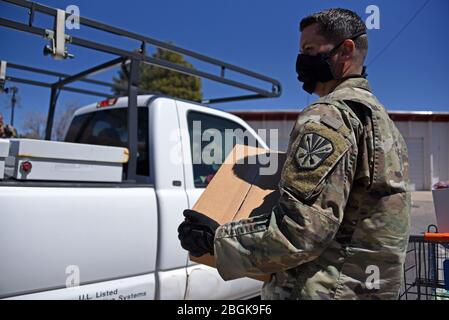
x,y
340,229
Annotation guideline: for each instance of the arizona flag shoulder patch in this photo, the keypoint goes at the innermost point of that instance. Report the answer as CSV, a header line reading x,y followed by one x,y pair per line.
x,y
312,150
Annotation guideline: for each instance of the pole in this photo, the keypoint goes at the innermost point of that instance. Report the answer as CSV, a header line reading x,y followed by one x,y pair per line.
x,y
13,103
51,112
133,81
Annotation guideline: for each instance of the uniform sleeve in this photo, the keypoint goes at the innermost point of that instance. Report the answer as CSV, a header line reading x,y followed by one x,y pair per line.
x,y
315,183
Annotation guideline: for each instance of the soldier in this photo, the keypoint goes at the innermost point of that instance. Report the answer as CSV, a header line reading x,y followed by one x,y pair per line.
x,y
6,130
340,229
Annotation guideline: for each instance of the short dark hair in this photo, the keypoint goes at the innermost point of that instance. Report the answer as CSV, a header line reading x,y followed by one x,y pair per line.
x,y
338,24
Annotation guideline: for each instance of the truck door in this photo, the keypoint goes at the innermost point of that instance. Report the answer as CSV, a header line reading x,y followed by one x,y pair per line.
x,y
195,123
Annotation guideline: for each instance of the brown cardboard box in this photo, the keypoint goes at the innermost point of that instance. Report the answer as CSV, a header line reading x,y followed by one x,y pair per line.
x,y
238,191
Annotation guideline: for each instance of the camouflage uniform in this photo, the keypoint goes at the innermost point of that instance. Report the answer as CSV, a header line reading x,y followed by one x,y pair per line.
x,y
343,218
7,131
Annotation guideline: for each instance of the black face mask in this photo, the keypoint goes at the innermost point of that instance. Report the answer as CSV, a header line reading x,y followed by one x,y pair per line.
x,y
313,69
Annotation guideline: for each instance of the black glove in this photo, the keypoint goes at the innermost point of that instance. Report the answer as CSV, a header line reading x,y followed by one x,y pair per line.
x,y
197,233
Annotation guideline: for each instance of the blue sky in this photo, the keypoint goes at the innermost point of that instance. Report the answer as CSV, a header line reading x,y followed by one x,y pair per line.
x,y
410,74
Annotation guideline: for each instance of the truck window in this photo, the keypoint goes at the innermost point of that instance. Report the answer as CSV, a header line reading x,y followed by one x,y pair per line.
x,y
110,128
202,141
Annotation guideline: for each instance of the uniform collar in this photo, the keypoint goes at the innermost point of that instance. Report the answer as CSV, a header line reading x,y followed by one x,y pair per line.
x,y
358,82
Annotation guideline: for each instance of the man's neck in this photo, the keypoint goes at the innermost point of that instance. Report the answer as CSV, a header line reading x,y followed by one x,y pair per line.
x,y
326,88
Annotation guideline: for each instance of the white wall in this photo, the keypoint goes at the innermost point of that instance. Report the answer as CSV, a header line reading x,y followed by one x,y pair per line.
x,y
436,150
440,150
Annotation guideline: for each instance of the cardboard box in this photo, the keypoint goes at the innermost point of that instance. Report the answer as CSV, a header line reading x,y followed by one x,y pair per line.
x,y
239,190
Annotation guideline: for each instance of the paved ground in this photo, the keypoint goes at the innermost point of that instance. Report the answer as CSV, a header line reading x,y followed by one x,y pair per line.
x,y
423,212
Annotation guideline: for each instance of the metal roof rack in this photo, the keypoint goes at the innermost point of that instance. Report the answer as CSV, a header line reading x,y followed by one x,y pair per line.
x,y
57,48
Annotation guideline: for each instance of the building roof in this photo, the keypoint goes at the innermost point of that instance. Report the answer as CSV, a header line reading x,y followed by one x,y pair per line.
x,y
271,114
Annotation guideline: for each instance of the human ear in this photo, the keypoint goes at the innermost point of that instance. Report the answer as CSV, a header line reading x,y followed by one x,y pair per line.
x,y
347,50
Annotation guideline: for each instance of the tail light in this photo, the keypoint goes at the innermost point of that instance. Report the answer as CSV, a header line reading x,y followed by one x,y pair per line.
x,y
26,167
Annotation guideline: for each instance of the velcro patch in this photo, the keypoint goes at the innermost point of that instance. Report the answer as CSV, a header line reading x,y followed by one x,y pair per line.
x,y
313,154
332,122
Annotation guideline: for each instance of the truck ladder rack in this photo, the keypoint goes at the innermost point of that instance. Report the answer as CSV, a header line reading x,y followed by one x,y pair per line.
x,y
58,49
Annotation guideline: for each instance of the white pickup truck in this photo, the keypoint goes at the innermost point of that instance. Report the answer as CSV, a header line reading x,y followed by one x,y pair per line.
x,y
116,240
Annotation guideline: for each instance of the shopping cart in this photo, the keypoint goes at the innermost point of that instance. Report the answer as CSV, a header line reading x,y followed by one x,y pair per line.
x,y
426,268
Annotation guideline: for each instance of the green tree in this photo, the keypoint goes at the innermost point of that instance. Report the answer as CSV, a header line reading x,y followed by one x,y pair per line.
x,y
165,81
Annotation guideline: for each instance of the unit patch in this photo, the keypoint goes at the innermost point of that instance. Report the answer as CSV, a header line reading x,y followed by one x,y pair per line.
x,y
313,149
